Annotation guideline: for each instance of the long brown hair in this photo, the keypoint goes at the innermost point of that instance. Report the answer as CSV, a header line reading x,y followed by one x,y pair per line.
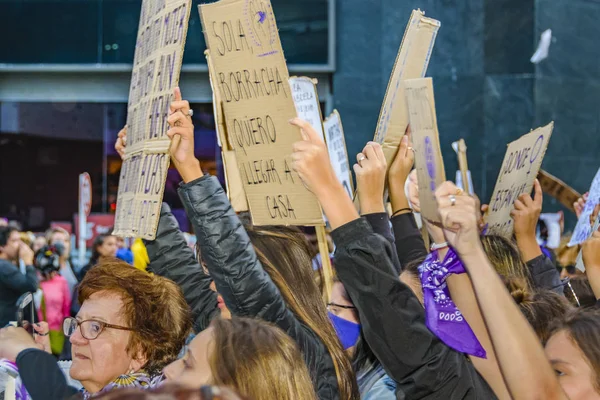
x,y
259,360
285,255
506,259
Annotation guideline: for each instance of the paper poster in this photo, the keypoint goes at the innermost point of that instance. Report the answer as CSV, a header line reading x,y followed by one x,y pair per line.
x,y
520,167
233,179
306,100
552,221
556,188
411,62
156,66
252,80
336,145
583,229
425,138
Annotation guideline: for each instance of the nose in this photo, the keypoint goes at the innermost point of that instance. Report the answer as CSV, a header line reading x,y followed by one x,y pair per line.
x,y
564,274
77,338
213,287
170,371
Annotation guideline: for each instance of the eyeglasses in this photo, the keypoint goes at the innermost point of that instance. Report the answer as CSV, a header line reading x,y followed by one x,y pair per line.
x,y
332,307
90,328
571,269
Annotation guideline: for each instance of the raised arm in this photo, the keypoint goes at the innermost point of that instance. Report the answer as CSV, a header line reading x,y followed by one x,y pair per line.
x,y
526,371
172,258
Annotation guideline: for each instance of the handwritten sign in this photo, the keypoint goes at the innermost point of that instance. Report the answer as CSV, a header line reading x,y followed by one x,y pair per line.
x,y
411,63
233,179
336,145
252,79
306,100
428,155
519,169
156,66
583,229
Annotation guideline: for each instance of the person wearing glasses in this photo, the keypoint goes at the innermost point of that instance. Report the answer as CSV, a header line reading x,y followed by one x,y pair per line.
x,y
130,326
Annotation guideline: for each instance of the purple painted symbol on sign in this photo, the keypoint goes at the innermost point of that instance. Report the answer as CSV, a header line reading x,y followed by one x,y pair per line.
x,y
262,16
430,160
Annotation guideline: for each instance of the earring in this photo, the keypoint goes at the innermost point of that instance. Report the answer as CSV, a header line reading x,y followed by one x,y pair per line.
x,y
131,371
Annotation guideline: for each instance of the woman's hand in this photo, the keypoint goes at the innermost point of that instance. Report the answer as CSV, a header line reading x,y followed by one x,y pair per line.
x,y
310,160
121,142
458,213
525,215
580,203
399,171
181,134
42,338
14,340
370,172
413,191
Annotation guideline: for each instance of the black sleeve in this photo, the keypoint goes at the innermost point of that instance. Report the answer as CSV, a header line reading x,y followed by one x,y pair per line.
x,y
42,377
393,322
380,222
12,278
410,246
545,275
172,258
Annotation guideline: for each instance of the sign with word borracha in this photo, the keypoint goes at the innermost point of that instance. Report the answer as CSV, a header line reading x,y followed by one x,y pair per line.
x,y
336,145
411,63
252,80
425,138
306,100
519,169
156,66
583,229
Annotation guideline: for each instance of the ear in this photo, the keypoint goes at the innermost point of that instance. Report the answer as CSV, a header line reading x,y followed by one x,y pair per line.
x,y
138,362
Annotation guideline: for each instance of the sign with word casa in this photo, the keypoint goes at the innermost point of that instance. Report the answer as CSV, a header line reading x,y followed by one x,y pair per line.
x,y
411,63
583,229
252,80
156,66
336,145
425,138
519,169
233,179
306,100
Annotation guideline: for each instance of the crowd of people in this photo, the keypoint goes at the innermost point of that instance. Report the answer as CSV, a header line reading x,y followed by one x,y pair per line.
x,y
243,316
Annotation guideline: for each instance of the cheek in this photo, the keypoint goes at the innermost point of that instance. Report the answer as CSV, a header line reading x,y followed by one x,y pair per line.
x,y
578,387
109,360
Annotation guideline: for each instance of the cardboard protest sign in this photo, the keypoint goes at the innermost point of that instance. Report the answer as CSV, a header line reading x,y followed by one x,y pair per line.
x,y
252,79
156,66
336,145
519,169
411,63
233,179
583,229
579,261
556,188
306,100
425,138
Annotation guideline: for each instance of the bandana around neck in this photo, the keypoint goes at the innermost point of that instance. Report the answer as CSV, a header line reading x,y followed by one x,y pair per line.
x,y
136,380
442,316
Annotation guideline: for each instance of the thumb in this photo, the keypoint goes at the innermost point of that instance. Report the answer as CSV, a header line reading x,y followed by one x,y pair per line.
x,y
177,94
306,130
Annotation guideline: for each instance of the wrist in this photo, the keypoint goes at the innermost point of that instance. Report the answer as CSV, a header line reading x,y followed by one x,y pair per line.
x,y
528,246
471,253
371,206
190,171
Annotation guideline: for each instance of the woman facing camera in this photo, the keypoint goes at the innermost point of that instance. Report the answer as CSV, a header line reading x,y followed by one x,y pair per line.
x,y
130,326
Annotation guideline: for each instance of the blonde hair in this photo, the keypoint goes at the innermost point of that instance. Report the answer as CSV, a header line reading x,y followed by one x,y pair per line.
x,y
506,259
258,360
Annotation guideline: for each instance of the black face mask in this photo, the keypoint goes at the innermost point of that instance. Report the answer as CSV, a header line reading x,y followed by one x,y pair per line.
x,y
60,247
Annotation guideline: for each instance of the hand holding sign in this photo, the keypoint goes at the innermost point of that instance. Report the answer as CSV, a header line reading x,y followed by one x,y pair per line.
x,y
311,160
399,172
579,204
181,133
525,216
121,142
370,178
458,214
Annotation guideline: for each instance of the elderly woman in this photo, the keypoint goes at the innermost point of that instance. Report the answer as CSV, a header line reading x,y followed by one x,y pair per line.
x,y
131,325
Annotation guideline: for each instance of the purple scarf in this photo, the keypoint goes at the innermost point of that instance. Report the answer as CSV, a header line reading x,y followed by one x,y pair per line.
x,y
442,316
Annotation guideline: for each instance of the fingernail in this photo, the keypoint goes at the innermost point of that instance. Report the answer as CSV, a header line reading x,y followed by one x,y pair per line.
x,y
404,139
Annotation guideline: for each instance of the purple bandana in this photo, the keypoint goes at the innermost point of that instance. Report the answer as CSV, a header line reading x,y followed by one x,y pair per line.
x,y
442,316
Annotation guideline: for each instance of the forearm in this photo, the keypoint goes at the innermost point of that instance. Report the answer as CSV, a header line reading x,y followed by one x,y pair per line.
x,y
338,207
593,274
529,247
521,358
397,195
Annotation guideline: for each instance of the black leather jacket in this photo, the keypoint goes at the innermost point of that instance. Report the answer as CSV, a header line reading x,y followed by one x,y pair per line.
x,y
240,278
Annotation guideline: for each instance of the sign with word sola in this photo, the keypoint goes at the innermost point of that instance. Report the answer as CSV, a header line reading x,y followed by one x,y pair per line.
x,y
156,66
425,137
336,145
252,79
519,169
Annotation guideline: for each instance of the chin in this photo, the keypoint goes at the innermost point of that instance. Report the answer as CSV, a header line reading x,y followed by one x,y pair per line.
x,y
77,370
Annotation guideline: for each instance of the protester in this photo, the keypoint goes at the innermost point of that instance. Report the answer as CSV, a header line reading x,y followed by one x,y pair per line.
x,y
61,240
13,284
130,326
123,252
56,296
104,247
255,358
39,242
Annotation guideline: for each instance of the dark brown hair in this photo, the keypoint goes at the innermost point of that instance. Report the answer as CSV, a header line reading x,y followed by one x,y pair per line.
x,y
285,255
259,360
582,289
152,305
582,327
540,308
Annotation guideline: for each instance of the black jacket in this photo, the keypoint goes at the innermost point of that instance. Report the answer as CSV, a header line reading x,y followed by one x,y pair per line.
x,y
13,284
42,377
246,288
544,274
393,322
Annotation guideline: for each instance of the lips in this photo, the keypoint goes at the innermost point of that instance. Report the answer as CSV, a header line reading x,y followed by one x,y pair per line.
x,y
80,356
220,302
